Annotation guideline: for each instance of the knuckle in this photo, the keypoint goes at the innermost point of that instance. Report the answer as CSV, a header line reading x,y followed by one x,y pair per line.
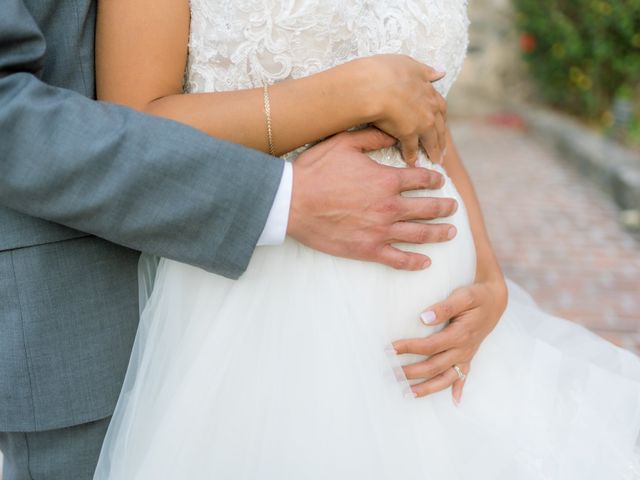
x,y
380,234
430,207
418,347
424,234
406,131
403,133
429,118
431,370
447,310
370,251
400,262
468,298
430,345
391,181
428,234
389,207
412,346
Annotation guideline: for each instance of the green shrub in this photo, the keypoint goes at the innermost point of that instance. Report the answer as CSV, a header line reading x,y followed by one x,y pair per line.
x,y
583,54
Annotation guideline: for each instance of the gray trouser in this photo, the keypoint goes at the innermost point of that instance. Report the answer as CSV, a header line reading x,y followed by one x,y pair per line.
x,y
64,454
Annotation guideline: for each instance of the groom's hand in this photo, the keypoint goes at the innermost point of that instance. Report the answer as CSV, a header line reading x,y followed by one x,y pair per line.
x,y
345,204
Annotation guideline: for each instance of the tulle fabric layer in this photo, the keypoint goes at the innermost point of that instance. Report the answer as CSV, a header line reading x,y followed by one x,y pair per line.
x,y
286,374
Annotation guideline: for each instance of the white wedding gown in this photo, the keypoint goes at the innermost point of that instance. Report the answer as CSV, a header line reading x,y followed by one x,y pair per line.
x,y
283,374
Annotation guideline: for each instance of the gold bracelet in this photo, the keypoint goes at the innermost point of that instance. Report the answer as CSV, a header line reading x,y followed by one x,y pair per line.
x,y
267,114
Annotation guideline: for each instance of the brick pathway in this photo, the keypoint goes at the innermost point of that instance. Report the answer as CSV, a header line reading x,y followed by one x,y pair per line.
x,y
555,233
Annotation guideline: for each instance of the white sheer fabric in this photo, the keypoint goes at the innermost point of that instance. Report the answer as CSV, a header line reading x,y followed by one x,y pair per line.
x,y
283,374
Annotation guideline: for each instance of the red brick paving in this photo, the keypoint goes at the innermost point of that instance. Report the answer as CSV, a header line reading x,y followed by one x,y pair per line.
x,y
554,232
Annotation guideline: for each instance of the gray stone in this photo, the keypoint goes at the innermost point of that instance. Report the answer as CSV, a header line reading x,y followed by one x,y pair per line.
x,y
614,168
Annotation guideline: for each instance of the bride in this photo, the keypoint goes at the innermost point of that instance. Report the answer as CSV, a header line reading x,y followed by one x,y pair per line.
x,y
313,366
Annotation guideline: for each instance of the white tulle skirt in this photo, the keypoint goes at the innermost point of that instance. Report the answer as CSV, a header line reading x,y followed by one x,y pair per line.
x,y
285,374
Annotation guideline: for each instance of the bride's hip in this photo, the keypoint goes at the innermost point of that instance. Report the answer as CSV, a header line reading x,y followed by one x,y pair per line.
x,y
293,283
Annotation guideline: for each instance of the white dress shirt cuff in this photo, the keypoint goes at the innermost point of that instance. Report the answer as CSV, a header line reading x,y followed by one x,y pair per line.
x,y
275,230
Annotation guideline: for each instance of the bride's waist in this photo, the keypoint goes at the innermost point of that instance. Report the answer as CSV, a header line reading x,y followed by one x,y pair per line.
x,y
390,156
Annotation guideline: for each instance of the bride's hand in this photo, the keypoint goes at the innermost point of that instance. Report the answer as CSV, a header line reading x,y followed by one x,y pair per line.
x,y
403,103
473,312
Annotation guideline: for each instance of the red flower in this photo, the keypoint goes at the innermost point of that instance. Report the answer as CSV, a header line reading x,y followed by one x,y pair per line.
x,y
528,42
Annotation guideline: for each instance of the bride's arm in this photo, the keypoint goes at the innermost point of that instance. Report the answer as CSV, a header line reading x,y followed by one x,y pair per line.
x,y
473,311
487,268
141,54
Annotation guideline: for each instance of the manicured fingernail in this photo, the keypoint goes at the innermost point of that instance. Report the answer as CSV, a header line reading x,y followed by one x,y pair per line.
x,y
410,394
451,233
390,350
440,70
428,317
456,401
426,264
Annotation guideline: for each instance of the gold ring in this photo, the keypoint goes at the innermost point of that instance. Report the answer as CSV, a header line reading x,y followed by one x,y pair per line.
x,y
462,376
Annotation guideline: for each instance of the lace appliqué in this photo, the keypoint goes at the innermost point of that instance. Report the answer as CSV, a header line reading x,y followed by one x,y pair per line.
x,y
238,44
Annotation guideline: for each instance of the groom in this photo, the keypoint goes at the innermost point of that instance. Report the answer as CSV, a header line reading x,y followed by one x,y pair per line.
x,y
85,186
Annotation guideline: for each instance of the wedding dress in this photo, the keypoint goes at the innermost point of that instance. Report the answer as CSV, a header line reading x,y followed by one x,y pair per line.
x,y
285,374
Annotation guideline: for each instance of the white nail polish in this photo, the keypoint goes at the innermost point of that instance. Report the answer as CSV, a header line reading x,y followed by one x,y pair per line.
x,y
440,69
428,317
390,350
410,394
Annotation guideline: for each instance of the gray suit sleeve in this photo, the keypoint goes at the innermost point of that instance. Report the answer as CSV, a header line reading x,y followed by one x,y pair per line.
x,y
143,182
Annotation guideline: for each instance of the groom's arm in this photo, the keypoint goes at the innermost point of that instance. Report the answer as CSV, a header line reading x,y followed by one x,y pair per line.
x,y
139,181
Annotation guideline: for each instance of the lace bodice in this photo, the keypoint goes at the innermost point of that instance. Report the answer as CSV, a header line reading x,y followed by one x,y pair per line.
x,y
237,44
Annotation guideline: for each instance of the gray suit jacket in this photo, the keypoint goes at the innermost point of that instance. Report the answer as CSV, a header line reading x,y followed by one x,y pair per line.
x,y
84,186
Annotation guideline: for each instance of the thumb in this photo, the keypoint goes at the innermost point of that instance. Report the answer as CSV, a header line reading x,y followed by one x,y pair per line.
x,y
370,139
457,302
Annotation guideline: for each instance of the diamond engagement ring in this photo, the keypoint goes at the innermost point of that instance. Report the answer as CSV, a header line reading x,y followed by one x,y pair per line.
x,y
461,376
